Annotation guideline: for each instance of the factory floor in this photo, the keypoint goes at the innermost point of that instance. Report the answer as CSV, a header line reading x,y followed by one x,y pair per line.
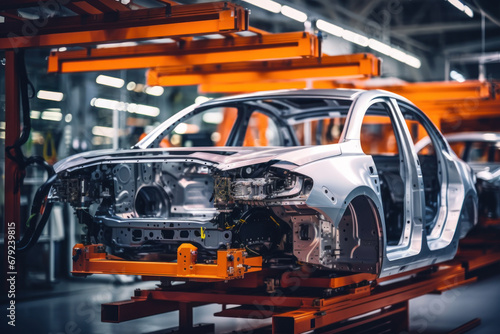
x,y
73,307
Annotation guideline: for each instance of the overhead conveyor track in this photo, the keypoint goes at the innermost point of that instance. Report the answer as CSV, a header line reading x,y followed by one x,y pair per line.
x,y
117,26
231,48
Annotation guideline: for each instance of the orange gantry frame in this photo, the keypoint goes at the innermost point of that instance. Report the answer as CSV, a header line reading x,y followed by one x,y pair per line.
x,y
230,264
231,48
123,24
452,101
266,74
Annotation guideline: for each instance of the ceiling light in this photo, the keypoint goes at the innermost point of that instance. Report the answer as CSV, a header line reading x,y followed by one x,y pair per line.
x,y
103,131
329,28
68,118
413,61
461,7
155,90
353,37
468,11
214,117
200,99
110,81
132,108
457,76
143,109
379,46
399,55
116,45
185,128
35,114
108,104
269,5
48,95
55,116
131,85
294,14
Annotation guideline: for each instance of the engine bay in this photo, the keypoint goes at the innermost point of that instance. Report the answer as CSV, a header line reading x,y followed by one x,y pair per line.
x,y
146,210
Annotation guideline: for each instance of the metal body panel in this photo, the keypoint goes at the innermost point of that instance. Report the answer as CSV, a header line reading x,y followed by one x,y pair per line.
x,y
320,205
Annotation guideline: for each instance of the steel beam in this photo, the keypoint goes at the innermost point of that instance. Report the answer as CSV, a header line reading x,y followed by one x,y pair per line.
x,y
170,21
440,91
187,53
266,72
231,264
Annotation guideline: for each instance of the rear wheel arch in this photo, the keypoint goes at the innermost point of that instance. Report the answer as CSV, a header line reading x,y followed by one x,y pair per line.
x,y
361,235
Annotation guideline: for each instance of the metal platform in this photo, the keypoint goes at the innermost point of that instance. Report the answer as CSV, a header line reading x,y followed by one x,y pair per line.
x,y
301,301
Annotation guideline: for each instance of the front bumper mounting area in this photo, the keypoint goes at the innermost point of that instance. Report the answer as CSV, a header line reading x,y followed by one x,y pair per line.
x,y
231,264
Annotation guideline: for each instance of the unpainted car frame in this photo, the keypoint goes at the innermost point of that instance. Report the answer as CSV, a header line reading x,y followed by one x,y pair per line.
x,y
328,206
481,151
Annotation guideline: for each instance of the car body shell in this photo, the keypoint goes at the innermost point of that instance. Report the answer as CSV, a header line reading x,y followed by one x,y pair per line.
x,y
481,151
327,200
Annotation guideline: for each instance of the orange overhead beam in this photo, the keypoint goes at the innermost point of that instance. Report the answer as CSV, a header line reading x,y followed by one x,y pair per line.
x,y
440,91
82,8
187,52
169,21
244,75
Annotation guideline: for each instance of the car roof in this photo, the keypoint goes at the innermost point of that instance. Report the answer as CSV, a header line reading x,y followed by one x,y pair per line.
x,y
320,93
474,136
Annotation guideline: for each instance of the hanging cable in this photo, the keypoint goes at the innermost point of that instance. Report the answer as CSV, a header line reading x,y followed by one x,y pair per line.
x,y
38,217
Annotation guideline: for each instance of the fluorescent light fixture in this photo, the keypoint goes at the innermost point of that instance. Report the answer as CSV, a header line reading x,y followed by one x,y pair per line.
x,y
461,7
2,133
185,128
405,58
48,95
131,85
353,37
213,117
35,114
398,55
489,136
468,11
124,106
55,116
154,90
413,61
379,46
108,104
329,28
116,45
294,14
269,5
2,125
458,4
143,109
457,76
103,131
110,81
200,99
181,128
